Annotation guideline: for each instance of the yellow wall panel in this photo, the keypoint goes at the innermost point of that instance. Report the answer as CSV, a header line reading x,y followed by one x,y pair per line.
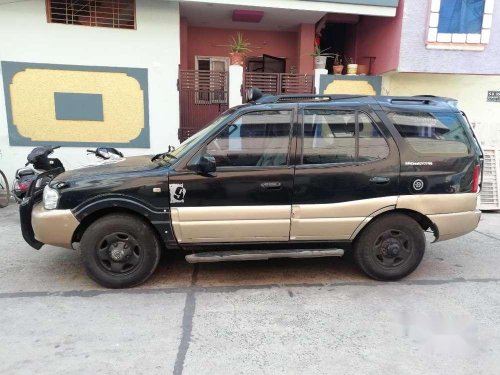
x,y
33,107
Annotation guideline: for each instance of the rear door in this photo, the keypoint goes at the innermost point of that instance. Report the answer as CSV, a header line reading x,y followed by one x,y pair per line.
x,y
348,169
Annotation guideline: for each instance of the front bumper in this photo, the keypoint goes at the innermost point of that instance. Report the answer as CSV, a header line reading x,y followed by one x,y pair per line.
x,y
52,227
25,209
455,225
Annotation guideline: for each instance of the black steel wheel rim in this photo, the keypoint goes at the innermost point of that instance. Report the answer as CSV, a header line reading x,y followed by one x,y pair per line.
x,y
119,253
392,248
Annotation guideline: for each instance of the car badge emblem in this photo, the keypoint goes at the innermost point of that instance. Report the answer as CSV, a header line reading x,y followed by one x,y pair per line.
x,y
418,184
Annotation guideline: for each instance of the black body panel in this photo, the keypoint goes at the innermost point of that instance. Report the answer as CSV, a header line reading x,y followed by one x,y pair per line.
x,y
344,182
159,217
132,178
236,187
440,173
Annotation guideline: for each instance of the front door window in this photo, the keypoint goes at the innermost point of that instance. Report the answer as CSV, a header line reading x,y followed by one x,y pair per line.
x,y
256,139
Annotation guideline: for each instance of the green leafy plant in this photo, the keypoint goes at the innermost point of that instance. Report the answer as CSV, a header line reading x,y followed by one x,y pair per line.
x,y
239,45
337,60
320,52
349,60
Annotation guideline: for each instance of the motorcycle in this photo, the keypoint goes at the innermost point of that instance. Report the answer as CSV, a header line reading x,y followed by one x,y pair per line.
x,y
40,163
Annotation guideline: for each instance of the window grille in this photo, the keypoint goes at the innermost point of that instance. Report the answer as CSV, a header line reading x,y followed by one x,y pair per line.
x,y
101,13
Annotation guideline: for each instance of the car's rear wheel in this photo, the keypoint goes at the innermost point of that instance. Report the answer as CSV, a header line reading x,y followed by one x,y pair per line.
x,y
390,248
120,251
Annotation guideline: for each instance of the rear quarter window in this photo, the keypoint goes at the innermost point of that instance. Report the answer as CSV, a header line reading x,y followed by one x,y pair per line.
x,y
432,133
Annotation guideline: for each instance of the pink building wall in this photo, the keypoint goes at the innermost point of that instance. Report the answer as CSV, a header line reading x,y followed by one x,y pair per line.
x,y
184,42
380,37
211,41
305,43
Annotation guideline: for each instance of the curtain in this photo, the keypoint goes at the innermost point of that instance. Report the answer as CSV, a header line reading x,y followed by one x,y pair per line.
x,y
461,16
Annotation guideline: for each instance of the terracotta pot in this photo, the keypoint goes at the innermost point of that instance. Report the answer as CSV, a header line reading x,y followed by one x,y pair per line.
x,y
319,62
352,69
237,58
338,69
363,69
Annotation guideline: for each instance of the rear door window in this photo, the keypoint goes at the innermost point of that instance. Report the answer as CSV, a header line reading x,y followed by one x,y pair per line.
x,y
341,136
432,133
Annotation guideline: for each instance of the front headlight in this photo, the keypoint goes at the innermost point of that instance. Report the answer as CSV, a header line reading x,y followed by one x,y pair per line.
x,y
50,198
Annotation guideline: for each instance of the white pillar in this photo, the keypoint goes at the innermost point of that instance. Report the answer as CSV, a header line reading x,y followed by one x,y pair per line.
x,y
317,74
235,85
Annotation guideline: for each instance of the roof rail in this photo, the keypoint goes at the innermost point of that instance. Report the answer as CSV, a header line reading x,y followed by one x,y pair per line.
x,y
269,99
421,99
410,100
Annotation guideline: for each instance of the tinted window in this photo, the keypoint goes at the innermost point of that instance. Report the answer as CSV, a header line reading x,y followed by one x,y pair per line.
x,y
254,139
330,137
432,133
372,145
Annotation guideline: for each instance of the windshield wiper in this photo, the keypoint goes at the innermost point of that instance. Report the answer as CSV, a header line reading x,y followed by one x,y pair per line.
x,y
163,155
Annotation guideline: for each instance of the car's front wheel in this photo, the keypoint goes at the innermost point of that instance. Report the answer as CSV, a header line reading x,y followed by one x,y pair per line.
x,y
390,248
120,251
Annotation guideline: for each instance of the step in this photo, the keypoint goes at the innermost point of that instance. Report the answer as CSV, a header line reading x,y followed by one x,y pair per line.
x,y
237,255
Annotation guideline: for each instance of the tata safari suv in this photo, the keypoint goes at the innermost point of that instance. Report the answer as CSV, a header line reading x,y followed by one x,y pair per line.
x,y
281,176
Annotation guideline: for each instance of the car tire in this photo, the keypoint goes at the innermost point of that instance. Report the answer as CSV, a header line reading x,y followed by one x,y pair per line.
x,y
390,248
120,250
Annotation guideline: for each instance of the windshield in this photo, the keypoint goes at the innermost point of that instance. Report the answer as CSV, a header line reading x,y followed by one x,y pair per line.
x,y
186,145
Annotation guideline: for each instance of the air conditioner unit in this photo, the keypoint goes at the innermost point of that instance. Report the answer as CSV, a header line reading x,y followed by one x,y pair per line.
x,y
489,198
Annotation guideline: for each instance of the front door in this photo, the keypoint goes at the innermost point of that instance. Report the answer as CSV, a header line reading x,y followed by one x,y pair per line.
x,y
249,197
348,170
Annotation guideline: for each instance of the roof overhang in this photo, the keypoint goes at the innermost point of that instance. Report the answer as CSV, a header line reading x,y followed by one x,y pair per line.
x,y
383,8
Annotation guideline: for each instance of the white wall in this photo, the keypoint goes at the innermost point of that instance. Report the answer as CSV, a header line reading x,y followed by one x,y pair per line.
x,y
470,91
25,36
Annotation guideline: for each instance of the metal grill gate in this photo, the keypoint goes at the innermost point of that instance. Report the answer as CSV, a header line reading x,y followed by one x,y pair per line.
x,y
203,95
280,83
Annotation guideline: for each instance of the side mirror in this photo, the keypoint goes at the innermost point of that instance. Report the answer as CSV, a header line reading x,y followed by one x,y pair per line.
x,y
203,164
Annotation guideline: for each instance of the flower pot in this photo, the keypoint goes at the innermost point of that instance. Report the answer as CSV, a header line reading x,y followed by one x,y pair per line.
x,y
319,62
363,69
237,58
352,69
338,69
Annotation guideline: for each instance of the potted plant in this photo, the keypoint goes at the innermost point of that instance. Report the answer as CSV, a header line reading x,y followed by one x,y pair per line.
x,y
352,68
320,57
338,68
239,47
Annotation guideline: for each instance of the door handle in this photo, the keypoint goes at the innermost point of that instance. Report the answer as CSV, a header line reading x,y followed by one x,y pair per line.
x,y
271,185
379,180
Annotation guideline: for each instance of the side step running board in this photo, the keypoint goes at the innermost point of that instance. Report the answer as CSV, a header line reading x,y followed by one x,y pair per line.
x,y
237,255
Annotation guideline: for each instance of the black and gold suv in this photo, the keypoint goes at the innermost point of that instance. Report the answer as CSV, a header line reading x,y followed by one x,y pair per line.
x,y
281,176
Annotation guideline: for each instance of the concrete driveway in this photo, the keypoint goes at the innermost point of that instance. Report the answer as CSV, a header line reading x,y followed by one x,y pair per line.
x,y
313,316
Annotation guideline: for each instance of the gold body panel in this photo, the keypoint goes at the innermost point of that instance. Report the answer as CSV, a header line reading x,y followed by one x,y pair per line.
x,y
455,224
231,223
53,227
335,221
452,214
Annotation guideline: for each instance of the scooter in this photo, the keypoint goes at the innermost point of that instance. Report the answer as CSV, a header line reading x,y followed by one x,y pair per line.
x,y
40,162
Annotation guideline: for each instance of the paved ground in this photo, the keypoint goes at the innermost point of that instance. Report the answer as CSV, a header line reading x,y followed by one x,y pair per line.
x,y
318,316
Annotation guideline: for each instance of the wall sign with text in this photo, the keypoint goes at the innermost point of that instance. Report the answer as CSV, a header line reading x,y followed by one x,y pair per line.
x,y
493,96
